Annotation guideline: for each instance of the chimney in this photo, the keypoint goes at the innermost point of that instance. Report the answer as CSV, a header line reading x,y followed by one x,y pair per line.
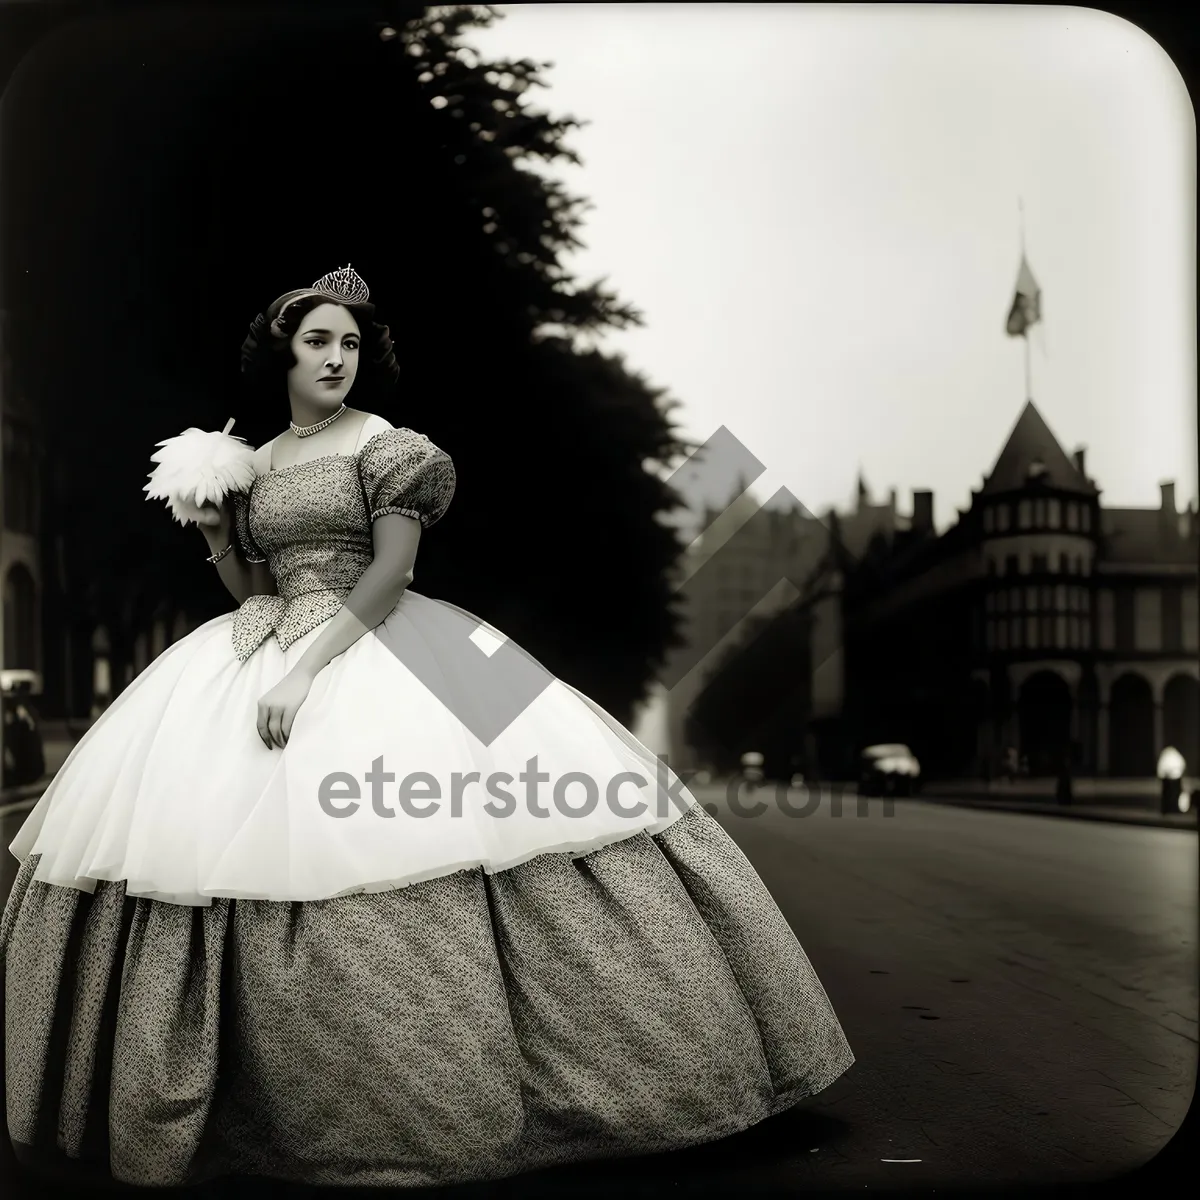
x,y
922,515
1168,498
1080,461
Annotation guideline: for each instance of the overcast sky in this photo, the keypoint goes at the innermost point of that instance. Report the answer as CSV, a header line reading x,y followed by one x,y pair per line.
x,y
816,208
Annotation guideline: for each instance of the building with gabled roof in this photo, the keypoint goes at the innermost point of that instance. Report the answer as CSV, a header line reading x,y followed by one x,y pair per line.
x,y
1033,452
1041,623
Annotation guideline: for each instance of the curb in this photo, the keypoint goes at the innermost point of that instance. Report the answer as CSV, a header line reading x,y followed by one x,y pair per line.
x,y
16,799
1184,821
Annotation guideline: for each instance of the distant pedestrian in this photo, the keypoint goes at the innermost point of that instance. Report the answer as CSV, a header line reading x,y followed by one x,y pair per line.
x,y
1170,769
1063,792
24,758
1011,764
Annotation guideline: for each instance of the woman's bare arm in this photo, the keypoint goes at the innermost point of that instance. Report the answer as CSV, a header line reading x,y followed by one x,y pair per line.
x,y
376,593
242,579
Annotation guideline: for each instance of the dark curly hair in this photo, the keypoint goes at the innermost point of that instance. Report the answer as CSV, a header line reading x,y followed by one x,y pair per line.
x,y
267,352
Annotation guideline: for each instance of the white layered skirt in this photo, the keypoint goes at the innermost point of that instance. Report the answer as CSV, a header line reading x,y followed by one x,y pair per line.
x,y
481,758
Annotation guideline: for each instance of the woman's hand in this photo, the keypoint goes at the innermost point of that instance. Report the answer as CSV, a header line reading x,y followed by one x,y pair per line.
x,y
277,709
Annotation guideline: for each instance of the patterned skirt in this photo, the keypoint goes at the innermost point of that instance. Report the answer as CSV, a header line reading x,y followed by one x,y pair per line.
x,y
645,997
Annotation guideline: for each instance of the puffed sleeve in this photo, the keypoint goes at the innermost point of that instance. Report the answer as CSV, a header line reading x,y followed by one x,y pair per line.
x,y
246,545
404,472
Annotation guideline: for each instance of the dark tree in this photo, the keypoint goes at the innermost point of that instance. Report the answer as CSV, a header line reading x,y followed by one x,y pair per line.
x,y
205,162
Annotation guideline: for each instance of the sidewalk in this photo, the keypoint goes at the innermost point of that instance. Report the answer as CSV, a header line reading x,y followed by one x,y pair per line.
x,y
1137,792
58,741
16,799
1123,801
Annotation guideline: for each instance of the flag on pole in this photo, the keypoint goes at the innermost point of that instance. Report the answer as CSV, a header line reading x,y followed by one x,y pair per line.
x,y
1027,303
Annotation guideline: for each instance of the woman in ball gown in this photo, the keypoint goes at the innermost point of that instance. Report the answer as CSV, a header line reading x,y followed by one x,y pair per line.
x,y
345,889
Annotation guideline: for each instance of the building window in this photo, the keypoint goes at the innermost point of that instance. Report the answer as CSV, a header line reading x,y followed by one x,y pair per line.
x,y
20,477
1106,620
1172,618
1073,627
1147,619
1002,517
1048,620
1190,604
1123,619
1014,632
20,619
1001,601
1039,513
1085,626
1031,597
1031,632
1023,514
1041,564
989,520
1085,515
1072,515
1068,564
1014,599
1054,513
1047,596
1060,597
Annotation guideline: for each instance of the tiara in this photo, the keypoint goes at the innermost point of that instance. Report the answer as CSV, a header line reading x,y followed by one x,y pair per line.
x,y
344,285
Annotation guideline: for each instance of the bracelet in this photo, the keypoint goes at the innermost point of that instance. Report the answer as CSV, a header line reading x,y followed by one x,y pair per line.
x,y
216,558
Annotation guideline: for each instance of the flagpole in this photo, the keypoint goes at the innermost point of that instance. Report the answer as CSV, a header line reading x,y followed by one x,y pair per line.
x,y
1025,332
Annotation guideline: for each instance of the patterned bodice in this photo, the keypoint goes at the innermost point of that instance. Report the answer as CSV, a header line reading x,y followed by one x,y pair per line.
x,y
311,523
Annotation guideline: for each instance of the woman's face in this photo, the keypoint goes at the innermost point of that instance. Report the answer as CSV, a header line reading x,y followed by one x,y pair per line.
x,y
326,351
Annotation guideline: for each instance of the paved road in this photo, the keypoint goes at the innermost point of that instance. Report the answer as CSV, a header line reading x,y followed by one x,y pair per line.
x,y
1020,992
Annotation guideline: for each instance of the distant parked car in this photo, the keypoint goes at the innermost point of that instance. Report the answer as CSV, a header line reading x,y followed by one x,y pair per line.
x,y
889,769
24,753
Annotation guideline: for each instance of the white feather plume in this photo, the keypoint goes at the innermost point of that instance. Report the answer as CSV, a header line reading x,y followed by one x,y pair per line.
x,y
198,468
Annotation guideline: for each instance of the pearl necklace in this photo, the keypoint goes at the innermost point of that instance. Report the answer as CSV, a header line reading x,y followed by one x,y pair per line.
x,y
309,430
